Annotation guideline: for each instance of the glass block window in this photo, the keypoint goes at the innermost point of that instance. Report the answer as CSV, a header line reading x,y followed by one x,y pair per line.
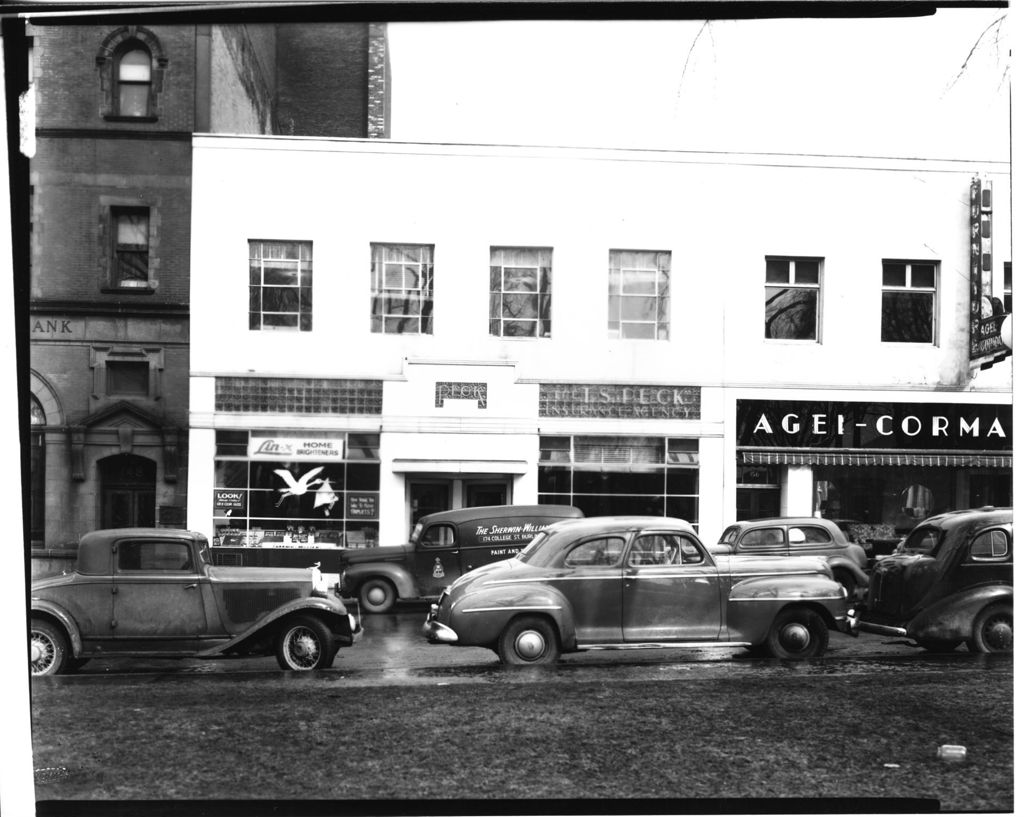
x,y
638,292
281,285
310,501
298,395
909,290
402,288
130,227
520,292
791,298
604,475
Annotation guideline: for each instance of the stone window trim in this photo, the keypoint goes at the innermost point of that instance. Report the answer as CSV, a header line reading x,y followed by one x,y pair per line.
x,y
99,356
109,206
113,45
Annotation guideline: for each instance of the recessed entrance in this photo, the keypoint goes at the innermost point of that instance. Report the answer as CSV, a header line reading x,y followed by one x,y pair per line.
x,y
430,494
128,492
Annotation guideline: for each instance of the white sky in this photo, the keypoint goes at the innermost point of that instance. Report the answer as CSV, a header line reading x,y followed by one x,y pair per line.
x,y
889,87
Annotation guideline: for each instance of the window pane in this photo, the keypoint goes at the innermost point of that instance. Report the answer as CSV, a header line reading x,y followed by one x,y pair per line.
x,y
639,281
132,229
791,313
894,275
519,329
922,275
519,279
777,271
132,268
133,100
134,66
806,272
280,274
127,377
907,317
639,331
519,306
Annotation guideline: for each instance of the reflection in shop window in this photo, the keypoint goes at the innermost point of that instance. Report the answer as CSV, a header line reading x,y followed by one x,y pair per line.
x,y
603,475
324,501
908,301
917,501
791,302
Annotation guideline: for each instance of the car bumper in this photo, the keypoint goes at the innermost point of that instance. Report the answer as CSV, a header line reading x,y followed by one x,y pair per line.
x,y
849,623
437,633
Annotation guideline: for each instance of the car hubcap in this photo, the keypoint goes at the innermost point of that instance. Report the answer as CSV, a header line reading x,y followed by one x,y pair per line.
x,y
40,653
304,649
795,637
530,645
375,595
999,634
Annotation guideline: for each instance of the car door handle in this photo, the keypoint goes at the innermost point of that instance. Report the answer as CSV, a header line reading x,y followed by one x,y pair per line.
x,y
192,586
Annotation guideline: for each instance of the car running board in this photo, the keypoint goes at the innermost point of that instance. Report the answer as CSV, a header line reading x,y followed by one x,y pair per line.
x,y
661,645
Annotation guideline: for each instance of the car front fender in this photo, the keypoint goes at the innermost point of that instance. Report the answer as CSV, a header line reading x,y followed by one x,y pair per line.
x,y
479,617
356,574
851,567
64,618
333,613
952,618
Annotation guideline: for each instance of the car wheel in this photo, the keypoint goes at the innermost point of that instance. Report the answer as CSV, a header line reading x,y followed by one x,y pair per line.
x,y
993,630
48,648
304,644
932,645
529,640
797,634
377,595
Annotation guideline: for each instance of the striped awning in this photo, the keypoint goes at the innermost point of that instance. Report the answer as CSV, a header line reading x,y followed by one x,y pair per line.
x,y
952,459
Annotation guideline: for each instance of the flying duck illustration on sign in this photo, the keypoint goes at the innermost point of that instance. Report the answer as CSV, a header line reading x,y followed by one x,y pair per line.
x,y
296,487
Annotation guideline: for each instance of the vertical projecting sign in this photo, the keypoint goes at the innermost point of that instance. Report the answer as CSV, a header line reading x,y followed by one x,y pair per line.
x,y
986,342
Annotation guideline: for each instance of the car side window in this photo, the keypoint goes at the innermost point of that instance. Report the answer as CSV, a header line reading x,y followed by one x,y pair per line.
x,y
809,535
923,541
990,546
438,536
762,537
602,552
663,549
728,536
154,556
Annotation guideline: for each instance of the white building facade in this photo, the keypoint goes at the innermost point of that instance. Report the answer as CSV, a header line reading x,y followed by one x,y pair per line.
x,y
381,330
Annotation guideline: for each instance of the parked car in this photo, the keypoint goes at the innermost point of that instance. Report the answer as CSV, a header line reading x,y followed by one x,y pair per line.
x,y
637,581
799,536
441,548
949,581
153,592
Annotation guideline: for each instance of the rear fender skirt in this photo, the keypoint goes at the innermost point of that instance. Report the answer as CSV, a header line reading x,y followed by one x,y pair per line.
x,y
951,618
65,620
336,619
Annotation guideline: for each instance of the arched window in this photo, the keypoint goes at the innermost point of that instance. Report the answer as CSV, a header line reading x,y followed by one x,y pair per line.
x,y
134,80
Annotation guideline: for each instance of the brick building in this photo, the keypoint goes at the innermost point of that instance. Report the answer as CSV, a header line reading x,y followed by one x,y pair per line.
x,y
115,109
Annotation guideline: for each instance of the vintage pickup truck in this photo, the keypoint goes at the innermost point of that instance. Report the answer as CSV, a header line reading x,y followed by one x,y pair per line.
x,y
153,593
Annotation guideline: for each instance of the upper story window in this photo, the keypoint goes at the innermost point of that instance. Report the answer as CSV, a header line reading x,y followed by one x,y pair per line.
x,y
130,228
520,292
402,288
131,65
638,291
134,82
908,301
129,378
792,303
281,285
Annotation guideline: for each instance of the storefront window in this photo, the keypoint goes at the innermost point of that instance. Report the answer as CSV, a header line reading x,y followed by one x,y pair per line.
x,y
275,488
621,475
758,492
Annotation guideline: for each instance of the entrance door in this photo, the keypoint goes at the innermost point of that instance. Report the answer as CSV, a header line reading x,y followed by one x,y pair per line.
x,y
128,492
428,497
486,493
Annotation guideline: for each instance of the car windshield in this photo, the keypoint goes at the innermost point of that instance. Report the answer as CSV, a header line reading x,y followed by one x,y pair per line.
x,y
922,541
535,542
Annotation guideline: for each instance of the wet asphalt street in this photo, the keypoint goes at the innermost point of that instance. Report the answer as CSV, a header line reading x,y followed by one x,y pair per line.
x,y
391,651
